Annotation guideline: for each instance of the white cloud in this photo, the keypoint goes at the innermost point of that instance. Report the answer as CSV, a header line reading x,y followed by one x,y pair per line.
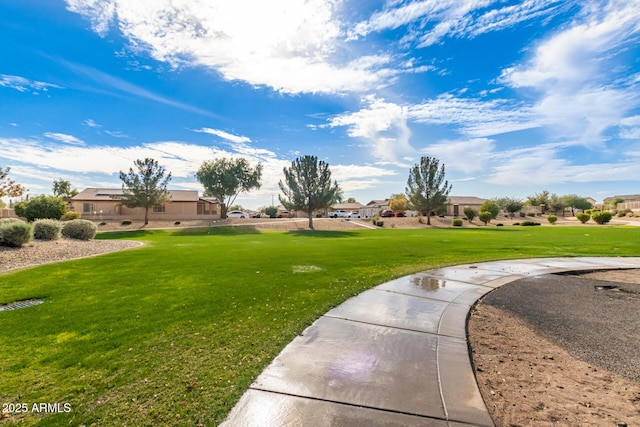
x,y
580,73
288,45
23,84
92,124
224,135
63,137
465,155
382,124
431,21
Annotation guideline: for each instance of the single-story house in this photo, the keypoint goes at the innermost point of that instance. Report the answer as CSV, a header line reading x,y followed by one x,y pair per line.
x,y
456,204
374,208
631,201
106,203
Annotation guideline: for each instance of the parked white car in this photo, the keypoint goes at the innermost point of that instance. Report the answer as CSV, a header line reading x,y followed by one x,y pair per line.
x,y
237,214
354,215
339,213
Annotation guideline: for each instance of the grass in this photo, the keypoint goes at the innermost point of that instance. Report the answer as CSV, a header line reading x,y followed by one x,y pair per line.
x,y
173,333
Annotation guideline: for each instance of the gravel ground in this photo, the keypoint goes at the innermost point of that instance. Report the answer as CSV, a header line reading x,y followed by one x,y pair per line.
x,y
595,320
43,252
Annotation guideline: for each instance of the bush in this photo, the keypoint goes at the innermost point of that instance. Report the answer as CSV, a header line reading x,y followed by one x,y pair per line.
x,y
9,220
45,207
176,223
601,217
552,219
470,213
47,229
380,223
126,222
500,224
485,216
522,214
103,223
456,222
490,206
80,229
583,217
15,234
20,209
375,219
529,224
70,215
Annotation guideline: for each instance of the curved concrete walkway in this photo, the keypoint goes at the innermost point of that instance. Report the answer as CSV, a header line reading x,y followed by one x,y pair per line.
x,y
394,355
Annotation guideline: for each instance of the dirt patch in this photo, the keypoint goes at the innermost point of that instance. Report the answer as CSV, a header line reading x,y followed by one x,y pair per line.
x,y
528,379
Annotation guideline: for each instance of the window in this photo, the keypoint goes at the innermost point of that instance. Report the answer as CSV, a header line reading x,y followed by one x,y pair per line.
x,y
158,209
88,208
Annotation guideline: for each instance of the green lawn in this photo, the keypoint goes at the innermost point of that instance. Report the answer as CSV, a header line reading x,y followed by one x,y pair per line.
x,y
174,332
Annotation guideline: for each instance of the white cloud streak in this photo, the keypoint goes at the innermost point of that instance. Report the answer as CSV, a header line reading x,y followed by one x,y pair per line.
x,y
63,137
22,84
288,45
224,135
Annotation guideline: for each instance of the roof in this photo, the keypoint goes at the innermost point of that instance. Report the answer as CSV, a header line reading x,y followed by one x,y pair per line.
x,y
104,194
347,206
465,200
627,198
378,203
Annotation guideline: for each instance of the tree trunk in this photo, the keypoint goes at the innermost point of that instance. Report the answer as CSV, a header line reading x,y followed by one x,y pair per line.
x,y
428,217
310,220
146,215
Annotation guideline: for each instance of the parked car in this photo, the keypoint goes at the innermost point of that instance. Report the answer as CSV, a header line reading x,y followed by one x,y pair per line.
x,y
354,215
237,214
339,213
283,214
387,213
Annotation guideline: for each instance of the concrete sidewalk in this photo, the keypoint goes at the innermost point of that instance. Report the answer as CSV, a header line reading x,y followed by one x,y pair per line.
x,y
395,355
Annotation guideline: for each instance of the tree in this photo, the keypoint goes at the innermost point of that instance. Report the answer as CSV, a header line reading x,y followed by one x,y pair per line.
x,y
398,202
557,204
45,207
272,211
426,188
485,216
510,204
146,187
351,200
615,201
307,186
225,179
62,188
8,187
491,207
539,199
576,202
470,213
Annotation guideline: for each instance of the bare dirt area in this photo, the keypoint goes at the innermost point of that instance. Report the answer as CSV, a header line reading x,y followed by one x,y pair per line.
x,y
531,373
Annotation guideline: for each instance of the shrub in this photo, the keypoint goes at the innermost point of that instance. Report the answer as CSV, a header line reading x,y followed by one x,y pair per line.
x,y
176,223
601,217
47,229
70,215
485,216
126,222
583,217
522,214
500,224
470,213
456,222
490,206
529,223
9,220
552,219
103,223
531,214
421,219
15,234
20,209
43,207
380,223
80,229
375,219
516,223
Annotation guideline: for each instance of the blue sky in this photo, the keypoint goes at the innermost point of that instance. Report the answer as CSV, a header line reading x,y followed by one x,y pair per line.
x,y
514,97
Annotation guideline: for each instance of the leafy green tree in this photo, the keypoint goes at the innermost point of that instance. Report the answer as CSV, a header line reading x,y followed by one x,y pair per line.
x,y
615,201
225,179
491,207
272,211
62,188
146,186
351,200
236,208
485,216
307,186
470,213
539,199
20,209
576,202
45,207
8,187
510,204
427,190
557,204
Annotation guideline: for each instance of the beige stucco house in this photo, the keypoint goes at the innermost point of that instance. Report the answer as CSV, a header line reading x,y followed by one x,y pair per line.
x,y
105,203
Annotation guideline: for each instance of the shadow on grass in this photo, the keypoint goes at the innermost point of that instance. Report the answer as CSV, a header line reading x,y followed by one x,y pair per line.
x,y
322,233
227,230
